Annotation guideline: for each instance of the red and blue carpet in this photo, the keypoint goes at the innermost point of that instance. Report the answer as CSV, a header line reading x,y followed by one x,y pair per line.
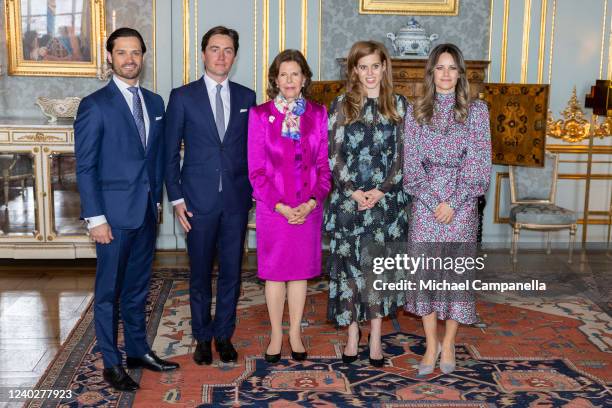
x,y
535,353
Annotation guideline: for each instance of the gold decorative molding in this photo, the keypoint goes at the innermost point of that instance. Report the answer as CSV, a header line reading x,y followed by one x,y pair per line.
x,y
305,28
154,45
490,39
552,41
39,138
282,25
541,50
196,54
319,39
525,51
265,49
431,7
603,38
609,76
574,127
186,68
504,51
577,149
255,45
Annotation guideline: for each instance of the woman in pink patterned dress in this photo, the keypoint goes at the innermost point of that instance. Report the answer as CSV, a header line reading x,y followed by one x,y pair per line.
x,y
447,165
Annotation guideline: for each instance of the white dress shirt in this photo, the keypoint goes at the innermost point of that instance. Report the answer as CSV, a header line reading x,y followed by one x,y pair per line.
x,y
211,89
123,87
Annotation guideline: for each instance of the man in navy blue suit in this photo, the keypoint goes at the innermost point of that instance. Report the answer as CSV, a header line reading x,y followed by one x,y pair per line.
x,y
211,193
119,153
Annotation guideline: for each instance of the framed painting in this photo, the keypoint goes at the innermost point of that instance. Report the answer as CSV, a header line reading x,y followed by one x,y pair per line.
x,y
418,7
55,37
518,114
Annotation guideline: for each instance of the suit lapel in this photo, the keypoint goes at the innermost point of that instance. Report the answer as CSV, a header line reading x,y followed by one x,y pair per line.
x,y
152,123
234,107
119,102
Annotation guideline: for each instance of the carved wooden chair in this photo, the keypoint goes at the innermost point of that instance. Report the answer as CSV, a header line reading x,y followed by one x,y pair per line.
x,y
532,193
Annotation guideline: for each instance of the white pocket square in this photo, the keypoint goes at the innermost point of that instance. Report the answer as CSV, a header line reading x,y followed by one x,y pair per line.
x,y
158,117
243,110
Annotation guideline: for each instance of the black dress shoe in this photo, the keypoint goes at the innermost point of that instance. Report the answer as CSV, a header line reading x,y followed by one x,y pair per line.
x,y
150,361
227,352
119,379
203,353
346,359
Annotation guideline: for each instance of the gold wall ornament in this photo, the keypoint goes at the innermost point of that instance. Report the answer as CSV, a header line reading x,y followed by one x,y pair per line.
x,y
38,137
410,7
63,50
603,129
575,127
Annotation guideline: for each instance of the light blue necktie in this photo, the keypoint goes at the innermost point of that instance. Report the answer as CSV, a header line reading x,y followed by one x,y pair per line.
x,y
138,115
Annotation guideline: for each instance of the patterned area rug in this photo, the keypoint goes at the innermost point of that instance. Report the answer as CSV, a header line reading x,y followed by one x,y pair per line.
x,y
534,353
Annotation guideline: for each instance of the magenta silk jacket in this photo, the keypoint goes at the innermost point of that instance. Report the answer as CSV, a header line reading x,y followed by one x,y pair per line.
x,y
272,168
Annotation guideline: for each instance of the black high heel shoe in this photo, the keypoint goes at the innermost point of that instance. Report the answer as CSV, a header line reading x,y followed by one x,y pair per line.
x,y
272,358
298,355
376,362
346,359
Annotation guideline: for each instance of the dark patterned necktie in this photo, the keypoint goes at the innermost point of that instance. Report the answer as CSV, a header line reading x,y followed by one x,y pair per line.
x,y
138,115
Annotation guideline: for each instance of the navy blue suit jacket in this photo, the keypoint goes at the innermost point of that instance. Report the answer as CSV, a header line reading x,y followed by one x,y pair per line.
x,y
116,177
190,120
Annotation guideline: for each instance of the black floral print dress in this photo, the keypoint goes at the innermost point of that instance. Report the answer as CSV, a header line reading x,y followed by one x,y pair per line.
x,y
364,155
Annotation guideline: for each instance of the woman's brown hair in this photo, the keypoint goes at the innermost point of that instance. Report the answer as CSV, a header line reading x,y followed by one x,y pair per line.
x,y
424,106
355,94
286,56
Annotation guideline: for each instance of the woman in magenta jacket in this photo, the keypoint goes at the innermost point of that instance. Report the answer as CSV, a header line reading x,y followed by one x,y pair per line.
x,y
290,174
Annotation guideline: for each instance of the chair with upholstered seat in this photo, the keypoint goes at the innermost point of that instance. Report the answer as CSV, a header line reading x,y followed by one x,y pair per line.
x,y
532,193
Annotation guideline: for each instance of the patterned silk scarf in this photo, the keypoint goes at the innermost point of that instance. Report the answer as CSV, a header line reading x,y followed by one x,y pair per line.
x,y
292,111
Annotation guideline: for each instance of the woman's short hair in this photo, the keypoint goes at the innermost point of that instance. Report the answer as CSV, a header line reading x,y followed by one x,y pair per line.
x,y
286,56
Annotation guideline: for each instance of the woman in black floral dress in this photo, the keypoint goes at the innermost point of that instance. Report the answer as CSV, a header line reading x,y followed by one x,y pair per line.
x,y
368,206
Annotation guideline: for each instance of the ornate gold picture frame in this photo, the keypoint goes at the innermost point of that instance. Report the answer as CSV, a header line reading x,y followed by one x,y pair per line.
x,y
422,7
55,37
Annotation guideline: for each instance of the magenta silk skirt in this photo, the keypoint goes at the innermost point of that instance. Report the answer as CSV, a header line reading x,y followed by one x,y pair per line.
x,y
287,252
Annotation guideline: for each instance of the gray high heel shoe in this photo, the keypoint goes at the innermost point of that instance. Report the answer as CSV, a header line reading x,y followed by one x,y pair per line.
x,y
425,369
448,368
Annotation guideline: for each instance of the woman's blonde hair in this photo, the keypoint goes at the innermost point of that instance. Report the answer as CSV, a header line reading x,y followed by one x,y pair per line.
x,y
355,95
424,106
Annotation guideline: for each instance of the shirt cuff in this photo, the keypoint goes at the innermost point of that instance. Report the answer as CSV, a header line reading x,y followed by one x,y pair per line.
x,y
177,202
96,221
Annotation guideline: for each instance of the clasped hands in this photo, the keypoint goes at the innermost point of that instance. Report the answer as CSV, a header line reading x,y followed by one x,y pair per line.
x,y
296,215
368,199
444,213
